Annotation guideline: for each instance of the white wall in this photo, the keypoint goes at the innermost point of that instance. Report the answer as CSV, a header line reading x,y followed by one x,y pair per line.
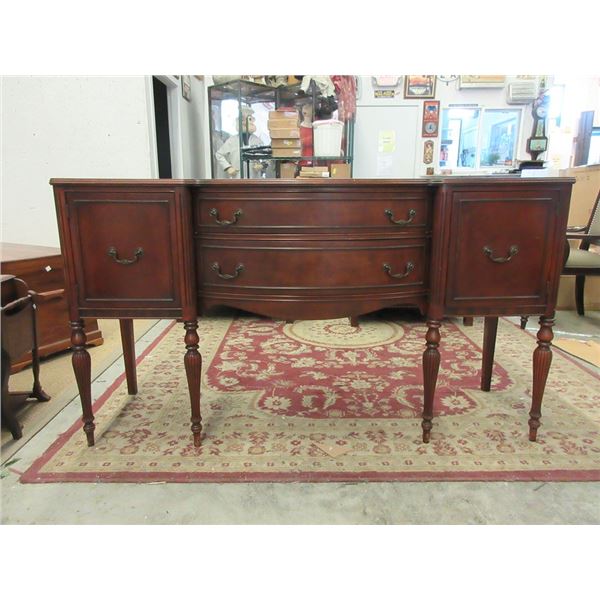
x,y
66,127
446,94
83,127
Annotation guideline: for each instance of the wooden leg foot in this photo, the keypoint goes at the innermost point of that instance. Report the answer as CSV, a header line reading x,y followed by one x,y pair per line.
x,y
524,322
193,370
542,359
431,365
468,321
353,321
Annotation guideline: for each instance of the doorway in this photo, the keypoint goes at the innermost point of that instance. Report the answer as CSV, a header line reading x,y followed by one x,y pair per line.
x,y
161,121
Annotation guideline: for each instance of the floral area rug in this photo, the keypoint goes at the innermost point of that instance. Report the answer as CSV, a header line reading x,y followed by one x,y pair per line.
x,y
322,401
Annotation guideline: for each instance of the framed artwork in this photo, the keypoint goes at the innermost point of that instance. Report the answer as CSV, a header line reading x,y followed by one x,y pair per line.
x,y
419,86
481,81
186,87
428,152
431,118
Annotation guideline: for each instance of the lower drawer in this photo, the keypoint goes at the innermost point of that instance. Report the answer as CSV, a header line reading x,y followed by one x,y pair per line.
x,y
336,266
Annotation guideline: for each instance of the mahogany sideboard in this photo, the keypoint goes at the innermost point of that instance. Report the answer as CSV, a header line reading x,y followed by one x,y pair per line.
x,y
41,267
313,249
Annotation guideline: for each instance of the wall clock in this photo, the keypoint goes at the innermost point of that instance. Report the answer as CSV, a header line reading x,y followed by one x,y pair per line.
x,y
538,142
431,118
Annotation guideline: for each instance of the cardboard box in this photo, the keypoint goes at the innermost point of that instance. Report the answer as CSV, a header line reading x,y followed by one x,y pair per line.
x,y
283,123
341,171
290,132
295,152
286,143
282,114
287,170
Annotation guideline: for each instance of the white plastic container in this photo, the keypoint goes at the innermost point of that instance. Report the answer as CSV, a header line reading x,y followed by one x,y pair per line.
x,y
328,137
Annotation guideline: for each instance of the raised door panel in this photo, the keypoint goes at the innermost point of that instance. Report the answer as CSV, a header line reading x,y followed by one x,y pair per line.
x,y
125,249
501,249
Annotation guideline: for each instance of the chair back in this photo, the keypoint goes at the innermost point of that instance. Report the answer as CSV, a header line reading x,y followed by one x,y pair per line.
x,y
594,224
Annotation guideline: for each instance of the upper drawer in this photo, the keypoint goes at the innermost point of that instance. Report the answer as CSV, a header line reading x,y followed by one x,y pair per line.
x,y
334,209
124,248
502,249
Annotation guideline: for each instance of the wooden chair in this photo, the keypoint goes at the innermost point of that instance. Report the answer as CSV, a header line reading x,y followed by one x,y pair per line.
x,y
19,335
582,262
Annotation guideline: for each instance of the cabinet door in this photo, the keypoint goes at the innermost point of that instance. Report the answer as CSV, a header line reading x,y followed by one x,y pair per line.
x,y
125,249
503,251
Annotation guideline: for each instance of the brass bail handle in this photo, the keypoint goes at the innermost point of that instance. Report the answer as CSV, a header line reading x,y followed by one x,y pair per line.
x,y
217,268
137,254
236,215
410,267
412,213
512,251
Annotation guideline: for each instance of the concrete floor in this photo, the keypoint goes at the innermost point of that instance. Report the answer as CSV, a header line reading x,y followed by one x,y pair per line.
x,y
296,503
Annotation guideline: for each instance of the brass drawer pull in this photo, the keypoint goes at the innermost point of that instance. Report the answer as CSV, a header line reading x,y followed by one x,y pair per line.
x,y
412,213
215,267
410,267
137,254
236,215
512,251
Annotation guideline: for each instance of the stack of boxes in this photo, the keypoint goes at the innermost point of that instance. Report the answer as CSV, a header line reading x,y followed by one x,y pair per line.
x,y
285,133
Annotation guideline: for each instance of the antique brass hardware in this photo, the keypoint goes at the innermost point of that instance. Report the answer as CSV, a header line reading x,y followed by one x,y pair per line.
x,y
137,253
410,267
411,215
511,252
236,215
215,267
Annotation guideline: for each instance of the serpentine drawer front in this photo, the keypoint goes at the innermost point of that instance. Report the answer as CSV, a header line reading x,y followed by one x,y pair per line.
x,y
124,249
501,248
338,209
287,266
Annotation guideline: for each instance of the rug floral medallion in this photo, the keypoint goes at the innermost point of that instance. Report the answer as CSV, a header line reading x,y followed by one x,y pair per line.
x,y
324,401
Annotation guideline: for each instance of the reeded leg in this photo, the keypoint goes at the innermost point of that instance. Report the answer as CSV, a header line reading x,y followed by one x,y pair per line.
x,y
193,370
128,342
431,365
83,375
542,358
524,322
490,328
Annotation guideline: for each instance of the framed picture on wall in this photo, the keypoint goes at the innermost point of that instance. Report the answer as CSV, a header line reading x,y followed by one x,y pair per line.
x,y
481,81
419,86
186,87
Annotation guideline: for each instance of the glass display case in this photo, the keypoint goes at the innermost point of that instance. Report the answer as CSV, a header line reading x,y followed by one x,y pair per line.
x,y
244,106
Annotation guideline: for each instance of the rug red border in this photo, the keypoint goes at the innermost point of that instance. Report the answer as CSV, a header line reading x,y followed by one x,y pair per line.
x,y
33,475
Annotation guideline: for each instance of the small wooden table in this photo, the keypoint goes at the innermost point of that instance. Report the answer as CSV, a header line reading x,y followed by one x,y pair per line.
x,y
43,270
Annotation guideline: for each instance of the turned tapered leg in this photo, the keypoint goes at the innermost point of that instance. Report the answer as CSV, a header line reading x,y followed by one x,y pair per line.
x,y
542,358
193,370
83,374
431,365
490,328
128,342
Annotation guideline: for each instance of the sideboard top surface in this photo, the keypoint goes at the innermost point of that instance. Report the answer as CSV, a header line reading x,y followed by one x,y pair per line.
x,y
324,182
